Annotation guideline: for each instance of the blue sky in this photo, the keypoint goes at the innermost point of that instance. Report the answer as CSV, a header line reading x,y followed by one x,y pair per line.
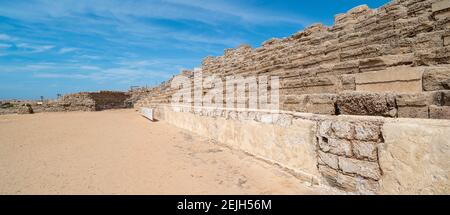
x,y
62,46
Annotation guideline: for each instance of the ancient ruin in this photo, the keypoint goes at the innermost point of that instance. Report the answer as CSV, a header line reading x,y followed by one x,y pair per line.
x,y
364,103
84,101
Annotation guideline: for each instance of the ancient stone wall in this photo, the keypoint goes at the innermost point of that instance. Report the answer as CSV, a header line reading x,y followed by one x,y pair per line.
x,y
392,61
382,65
84,101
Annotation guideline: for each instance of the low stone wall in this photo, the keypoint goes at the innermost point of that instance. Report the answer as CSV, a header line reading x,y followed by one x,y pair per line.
x,y
356,154
84,101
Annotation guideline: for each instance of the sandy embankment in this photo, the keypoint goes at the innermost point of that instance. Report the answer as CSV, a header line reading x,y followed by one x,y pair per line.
x,y
120,152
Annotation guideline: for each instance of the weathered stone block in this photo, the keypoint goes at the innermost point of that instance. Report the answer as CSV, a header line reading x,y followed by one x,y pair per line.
x,y
336,146
416,105
436,78
329,174
414,157
363,168
312,103
413,112
348,82
395,79
440,5
367,131
325,128
328,159
419,99
365,150
348,183
445,98
358,103
446,40
439,112
342,129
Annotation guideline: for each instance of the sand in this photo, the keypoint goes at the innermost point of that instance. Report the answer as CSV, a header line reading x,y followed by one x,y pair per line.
x,y
120,152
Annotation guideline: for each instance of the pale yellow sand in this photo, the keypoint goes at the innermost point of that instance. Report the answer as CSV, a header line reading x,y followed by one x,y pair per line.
x,y
120,152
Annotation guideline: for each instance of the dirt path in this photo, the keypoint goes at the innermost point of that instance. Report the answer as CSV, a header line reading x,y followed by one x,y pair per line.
x,y
120,152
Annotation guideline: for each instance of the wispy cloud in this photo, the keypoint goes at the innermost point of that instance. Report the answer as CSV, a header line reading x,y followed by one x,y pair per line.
x,y
5,37
66,50
3,46
34,48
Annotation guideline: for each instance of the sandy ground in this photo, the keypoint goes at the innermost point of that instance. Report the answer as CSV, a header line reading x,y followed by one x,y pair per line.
x,y
120,152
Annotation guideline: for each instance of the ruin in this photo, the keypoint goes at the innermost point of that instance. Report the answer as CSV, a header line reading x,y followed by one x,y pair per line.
x,y
84,101
365,103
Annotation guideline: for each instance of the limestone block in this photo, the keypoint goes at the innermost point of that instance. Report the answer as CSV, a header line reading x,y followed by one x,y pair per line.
x,y
362,168
414,157
428,40
440,5
440,9
310,103
367,131
394,79
365,150
419,99
347,183
436,78
336,146
348,82
416,105
445,98
329,174
325,128
439,112
359,103
413,112
343,129
446,40
317,103
328,159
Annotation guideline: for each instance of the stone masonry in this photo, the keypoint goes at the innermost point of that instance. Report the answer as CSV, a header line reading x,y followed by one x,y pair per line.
x,y
379,64
84,101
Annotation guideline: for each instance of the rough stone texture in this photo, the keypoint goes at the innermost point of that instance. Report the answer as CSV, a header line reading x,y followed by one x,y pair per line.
x,y
348,154
439,112
365,150
329,160
417,105
362,168
378,64
400,48
414,157
85,101
375,104
436,79
335,146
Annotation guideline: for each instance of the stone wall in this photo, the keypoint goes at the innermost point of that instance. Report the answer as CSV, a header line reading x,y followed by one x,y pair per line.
x,y
84,101
395,57
383,66
357,154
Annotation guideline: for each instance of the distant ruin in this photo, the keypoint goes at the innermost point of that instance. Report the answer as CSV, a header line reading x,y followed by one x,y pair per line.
x,y
84,101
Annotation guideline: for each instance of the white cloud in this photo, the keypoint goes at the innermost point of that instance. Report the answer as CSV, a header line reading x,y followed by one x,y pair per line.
x,y
34,48
5,37
4,46
66,50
